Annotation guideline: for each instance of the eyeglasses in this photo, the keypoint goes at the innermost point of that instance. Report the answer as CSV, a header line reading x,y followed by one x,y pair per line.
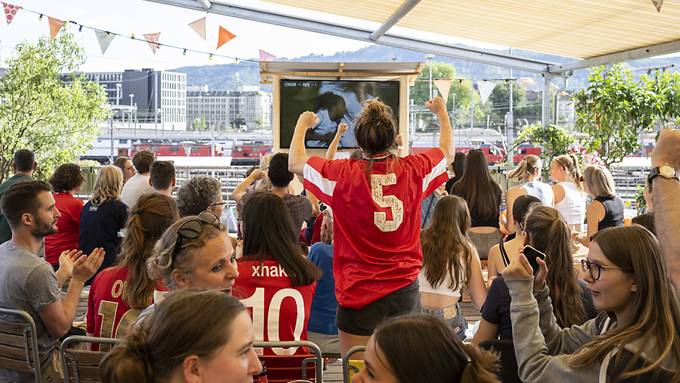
x,y
595,270
192,228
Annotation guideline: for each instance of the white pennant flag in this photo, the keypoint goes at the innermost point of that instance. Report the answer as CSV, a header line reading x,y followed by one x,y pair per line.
x,y
443,85
485,88
104,39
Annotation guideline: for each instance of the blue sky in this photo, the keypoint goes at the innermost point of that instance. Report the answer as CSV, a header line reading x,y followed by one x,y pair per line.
x,y
139,17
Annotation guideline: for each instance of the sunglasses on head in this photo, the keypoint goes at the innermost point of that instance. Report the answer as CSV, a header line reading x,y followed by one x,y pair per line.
x,y
192,228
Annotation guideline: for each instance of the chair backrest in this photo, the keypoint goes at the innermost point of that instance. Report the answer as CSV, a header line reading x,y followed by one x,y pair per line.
x,y
509,372
286,368
346,362
82,365
19,344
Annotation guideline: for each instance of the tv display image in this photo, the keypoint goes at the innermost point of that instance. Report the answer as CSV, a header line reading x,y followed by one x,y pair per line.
x,y
334,102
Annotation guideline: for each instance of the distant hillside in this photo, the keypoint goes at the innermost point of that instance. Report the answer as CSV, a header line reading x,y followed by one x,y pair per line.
x,y
228,76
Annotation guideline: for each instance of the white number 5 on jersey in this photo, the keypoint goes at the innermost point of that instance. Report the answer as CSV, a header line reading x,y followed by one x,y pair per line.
x,y
386,201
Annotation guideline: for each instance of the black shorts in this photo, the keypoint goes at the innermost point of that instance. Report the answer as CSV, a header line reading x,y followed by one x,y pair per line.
x,y
363,321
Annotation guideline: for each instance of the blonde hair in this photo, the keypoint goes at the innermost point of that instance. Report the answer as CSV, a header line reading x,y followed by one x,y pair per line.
x,y
264,183
569,163
599,181
108,185
529,166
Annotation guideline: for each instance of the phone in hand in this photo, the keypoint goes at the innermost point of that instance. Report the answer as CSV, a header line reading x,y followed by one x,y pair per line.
x,y
531,254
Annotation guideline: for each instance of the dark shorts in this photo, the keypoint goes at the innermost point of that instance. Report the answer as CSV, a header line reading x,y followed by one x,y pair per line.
x,y
363,321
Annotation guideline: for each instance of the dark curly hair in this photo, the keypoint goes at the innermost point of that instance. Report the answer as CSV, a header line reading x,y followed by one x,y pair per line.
x,y
66,177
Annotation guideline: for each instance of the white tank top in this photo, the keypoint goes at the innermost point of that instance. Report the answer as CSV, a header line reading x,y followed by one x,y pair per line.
x,y
541,191
442,289
573,206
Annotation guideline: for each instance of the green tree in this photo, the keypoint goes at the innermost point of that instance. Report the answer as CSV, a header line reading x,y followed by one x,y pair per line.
x,y
554,140
40,111
500,98
614,109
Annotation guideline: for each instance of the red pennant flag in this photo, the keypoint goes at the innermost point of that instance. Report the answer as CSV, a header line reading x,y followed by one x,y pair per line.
x,y
223,36
266,56
152,39
10,11
55,26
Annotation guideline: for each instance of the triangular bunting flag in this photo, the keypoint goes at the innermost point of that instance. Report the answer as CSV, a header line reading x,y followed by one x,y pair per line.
x,y
443,85
152,39
55,26
104,39
657,4
266,56
199,27
10,11
485,88
223,36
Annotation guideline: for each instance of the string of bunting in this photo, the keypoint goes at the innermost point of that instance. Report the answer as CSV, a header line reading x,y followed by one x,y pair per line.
x,y
105,37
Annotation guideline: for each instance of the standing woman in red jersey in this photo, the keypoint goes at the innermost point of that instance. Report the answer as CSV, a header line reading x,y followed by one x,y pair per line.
x,y
376,203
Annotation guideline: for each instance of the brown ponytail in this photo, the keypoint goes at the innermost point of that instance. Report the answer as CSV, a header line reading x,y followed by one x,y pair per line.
x,y
481,367
188,322
569,163
375,128
529,166
149,218
549,233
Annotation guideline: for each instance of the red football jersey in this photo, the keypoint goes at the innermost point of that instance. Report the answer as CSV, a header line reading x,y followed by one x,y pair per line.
x,y
108,316
66,238
280,311
376,220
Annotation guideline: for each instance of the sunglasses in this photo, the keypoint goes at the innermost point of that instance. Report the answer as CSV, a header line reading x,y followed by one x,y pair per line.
x,y
595,270
192,228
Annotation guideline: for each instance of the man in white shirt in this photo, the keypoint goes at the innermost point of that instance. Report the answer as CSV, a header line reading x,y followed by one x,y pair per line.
x,y
139,183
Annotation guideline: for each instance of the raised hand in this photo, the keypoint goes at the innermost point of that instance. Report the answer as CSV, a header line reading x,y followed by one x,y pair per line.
x,y
86,266
519,268
307,120
539,279
436,105
667,149
342,128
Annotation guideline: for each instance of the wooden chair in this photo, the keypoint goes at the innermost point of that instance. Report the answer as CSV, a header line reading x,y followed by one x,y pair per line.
x,y
19,344
79,365
286,368
346,362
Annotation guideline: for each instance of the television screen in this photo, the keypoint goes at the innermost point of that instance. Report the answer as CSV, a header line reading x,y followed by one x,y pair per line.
x,y
334,102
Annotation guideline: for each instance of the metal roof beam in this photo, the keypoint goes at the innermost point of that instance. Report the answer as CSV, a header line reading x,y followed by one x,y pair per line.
x,y
629,55
394,18
268,17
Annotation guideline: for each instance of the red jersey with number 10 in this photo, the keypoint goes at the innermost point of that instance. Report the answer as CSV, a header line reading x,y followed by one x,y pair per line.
x,y
280,311
376,220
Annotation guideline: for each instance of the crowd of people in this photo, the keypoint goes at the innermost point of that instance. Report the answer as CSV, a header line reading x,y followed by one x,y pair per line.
x,y
378,251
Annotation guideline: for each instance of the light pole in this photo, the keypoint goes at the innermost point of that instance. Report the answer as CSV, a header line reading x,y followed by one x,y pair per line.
x,y
429,58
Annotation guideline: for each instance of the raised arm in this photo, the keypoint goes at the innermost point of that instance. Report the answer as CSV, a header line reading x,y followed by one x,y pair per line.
x,y
438,107
297,156
241,188
333,147
666,196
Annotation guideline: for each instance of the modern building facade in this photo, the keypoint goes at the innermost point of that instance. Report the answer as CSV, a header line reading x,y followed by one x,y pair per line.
x,y
247,108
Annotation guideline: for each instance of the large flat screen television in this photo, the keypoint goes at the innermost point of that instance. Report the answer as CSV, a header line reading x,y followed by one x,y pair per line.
x,y
334,102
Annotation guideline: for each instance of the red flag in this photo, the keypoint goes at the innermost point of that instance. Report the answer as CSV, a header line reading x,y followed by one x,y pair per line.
x,y
223,36
55,26
266,56
10,11
152,39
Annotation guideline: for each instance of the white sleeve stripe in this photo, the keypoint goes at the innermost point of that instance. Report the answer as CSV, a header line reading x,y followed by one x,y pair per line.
x,y
438,170
324,184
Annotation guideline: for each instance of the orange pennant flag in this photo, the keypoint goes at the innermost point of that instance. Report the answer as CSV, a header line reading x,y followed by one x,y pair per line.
x,y
55,26
152,39
223,37
199,27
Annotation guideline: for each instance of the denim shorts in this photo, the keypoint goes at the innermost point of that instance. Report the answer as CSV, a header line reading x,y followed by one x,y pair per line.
x,y
363,321
457,322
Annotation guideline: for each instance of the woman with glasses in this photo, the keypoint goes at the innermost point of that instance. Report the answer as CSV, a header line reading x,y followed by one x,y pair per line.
x,y
635,337
545,231
376,202
195,336
195,252
199,194
104,216
275,278
120,292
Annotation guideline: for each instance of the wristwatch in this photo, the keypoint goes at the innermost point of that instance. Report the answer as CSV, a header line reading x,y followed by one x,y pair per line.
x,y
665,171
